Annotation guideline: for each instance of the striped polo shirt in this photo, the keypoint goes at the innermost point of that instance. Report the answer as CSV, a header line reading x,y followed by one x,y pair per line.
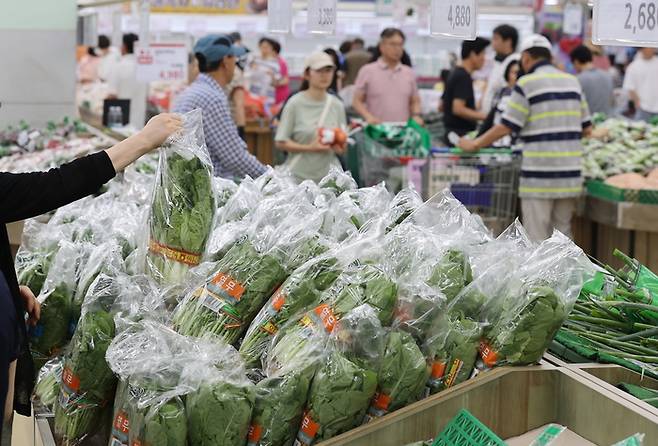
x,y
549,112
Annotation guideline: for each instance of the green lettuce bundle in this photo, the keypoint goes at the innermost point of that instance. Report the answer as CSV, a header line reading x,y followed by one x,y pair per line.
x,y
291,363
183,204
345,384
452,353
402,375
228,301
300,291
537,301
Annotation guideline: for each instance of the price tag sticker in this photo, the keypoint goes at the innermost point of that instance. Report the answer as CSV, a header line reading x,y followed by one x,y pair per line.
x,y
279,16
322,16
625,23
454,19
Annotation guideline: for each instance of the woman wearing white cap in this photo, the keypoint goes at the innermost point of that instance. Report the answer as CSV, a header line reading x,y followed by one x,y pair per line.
x,y
313,109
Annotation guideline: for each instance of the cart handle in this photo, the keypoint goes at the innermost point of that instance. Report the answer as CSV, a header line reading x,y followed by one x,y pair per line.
x,y
458,151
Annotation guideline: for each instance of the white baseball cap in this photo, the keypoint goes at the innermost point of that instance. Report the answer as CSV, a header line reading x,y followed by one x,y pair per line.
x,y
536,41
318,61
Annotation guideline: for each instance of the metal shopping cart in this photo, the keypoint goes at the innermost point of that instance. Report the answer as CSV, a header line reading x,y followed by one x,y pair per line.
x,y
486,182
371,160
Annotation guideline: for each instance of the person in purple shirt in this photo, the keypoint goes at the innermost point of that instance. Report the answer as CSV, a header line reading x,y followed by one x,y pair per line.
x,y
28,195
386,90
216,55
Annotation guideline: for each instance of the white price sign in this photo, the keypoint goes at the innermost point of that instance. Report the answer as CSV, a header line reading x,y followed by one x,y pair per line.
x,y
573,19
279,16
322,16
162,62
625,22
455,19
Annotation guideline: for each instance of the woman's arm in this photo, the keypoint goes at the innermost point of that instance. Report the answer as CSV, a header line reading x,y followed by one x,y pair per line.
x,y
27,195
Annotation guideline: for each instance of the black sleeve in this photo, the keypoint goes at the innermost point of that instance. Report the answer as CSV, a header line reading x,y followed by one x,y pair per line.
x,y
27,195
462,87
489,122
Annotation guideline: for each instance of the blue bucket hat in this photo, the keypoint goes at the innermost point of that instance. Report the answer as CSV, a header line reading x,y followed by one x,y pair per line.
x,y
215,47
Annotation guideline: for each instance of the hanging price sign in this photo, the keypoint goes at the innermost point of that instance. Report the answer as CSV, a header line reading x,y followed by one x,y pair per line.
x,y
454,19
322,16
279,16
572,23
162,62
625,22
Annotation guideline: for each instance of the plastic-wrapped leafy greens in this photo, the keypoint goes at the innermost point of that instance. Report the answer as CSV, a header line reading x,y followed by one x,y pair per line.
x,y
106,257
300,291
249,273
289,368
54,327
32,269
345,384
402,375
402,206
219,408
183,204
362,284
418,309
48,382
451,274
537,301
148,409
452,352
224,190
338,181
233,295
87,380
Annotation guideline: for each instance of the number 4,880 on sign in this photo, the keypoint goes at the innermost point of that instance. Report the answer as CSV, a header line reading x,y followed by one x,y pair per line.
x,y
638,25
454,19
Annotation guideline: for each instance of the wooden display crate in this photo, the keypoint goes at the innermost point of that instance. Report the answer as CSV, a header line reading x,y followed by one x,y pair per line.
x,y
512,401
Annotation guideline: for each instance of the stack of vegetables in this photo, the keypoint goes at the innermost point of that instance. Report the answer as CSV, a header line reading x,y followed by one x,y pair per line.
x,y
615,319
621,147
313,307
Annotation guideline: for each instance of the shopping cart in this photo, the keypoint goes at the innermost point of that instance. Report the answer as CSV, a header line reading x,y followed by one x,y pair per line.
x,y
486,182
372,161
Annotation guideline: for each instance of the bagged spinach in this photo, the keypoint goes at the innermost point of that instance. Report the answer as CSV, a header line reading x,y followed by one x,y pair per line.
x,y
183,204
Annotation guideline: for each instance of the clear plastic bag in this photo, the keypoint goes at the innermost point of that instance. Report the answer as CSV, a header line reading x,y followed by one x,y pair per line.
x,y
418,309
538,299
183,204
219,408
46,389
148,407
88,383
338,181
402,375
282,236
281,396
300,291
54,329
452,352
345,384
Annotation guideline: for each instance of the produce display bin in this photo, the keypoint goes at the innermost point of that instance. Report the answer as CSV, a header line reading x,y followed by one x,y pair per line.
x,y
599,189
511,402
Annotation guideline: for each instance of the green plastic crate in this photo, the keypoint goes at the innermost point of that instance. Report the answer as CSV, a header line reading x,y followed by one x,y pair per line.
x,y
466,430
599,189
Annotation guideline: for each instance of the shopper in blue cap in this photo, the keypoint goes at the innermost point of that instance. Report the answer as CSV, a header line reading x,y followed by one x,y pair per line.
x,y
217,57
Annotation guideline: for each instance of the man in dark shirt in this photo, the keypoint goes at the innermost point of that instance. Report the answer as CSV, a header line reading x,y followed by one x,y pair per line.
x,y
459,111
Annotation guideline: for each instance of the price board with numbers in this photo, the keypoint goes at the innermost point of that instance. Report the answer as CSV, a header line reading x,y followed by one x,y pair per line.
x,y
456,19
625,22
162,62
322,16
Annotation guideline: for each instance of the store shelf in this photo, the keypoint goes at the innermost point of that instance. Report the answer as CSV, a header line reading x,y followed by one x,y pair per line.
x,y
511,402
622,215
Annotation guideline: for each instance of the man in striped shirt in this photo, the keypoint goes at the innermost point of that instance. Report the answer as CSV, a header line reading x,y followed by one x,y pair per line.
x,y
549,112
